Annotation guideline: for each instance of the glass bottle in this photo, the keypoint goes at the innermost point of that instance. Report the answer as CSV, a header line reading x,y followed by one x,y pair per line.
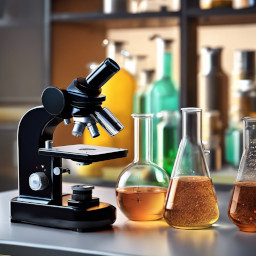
x,y
213,86
141,187
162,95
240,4
209,4
242,207
168,139
233,138
212,139
191,202
122,107
139,98
242,101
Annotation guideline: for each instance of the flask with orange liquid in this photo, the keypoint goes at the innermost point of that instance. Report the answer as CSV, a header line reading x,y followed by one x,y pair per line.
x,y
242,206
141,187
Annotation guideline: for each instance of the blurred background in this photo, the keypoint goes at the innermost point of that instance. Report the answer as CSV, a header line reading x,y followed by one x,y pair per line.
x,y
196,52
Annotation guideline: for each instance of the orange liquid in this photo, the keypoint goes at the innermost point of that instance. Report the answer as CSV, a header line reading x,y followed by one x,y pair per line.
x,y
242,207
141,203
191,203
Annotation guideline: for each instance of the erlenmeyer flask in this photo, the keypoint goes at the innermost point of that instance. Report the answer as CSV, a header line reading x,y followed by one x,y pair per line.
x,y
141,187
242,207
191,202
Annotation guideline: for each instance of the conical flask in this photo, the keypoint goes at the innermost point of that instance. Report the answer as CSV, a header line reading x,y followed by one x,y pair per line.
x,y
191,202
141,187
242,207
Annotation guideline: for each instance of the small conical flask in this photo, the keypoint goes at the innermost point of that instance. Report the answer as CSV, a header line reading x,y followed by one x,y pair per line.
x,y
191,202
242,207
141,187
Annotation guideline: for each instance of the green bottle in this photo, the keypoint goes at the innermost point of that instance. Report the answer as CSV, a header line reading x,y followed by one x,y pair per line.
x,y
162,95
168,139
139,98
233,139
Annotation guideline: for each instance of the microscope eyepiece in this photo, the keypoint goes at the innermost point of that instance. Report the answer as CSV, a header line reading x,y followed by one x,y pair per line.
x,y
102,74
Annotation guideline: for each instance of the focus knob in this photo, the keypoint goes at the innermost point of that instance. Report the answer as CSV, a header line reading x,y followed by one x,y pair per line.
x,y
38,181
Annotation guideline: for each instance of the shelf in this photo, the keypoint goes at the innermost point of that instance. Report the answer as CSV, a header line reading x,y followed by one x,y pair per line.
x,y
223,16
120,20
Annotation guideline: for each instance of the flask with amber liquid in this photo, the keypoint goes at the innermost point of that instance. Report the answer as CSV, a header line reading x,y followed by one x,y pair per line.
x,y
191,202
141,187
242,207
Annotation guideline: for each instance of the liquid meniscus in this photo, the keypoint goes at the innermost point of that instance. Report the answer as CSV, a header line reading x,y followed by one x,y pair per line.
x,y
191,203
141,203
242,207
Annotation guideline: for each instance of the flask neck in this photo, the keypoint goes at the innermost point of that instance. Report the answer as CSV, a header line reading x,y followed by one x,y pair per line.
x,y
192,125
142,137
249,134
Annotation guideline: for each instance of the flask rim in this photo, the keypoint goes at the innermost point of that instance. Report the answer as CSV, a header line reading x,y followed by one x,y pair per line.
x,y
142,115
191,109
248,118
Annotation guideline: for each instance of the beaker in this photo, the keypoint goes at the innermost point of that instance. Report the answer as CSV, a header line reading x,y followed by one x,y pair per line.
x,y
141,187
242,207
191,202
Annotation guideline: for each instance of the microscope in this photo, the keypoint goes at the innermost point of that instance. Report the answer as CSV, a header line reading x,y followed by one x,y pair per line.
x,y
40,199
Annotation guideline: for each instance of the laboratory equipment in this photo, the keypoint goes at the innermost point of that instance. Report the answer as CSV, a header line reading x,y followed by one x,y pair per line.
x,y
140,97
240,4
212,139
141,187
162,95
213,86
191,202
168,139
209,4
40,199
242,207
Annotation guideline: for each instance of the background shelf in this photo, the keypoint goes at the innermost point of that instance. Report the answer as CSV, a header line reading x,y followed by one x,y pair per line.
x,y
120,20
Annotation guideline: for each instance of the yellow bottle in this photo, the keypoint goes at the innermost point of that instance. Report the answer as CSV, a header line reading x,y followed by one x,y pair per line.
x,y
119,93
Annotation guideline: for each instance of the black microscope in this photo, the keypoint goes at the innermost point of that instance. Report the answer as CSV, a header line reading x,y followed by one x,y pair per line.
x,y
40,199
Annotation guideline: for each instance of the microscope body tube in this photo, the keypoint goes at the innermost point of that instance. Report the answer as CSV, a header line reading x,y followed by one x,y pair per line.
x,y
82,100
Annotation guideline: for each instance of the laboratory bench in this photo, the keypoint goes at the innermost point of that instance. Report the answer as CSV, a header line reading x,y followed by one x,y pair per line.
x,y
125,237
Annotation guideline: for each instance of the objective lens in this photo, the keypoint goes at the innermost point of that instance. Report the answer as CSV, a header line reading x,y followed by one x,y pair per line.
x,y
108,121
78,129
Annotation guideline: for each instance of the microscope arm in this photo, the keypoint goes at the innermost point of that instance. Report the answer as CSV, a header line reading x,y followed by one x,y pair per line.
x,y
37,126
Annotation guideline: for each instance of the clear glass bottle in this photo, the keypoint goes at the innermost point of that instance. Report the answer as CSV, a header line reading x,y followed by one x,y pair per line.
x,y
168,139
162,95
242,207
191,202
141,187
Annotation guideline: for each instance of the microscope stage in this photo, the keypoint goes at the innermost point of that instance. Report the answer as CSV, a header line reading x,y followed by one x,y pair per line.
x,y
84,153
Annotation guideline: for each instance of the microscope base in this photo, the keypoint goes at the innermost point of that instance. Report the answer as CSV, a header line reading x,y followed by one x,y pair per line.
x,y
63,216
